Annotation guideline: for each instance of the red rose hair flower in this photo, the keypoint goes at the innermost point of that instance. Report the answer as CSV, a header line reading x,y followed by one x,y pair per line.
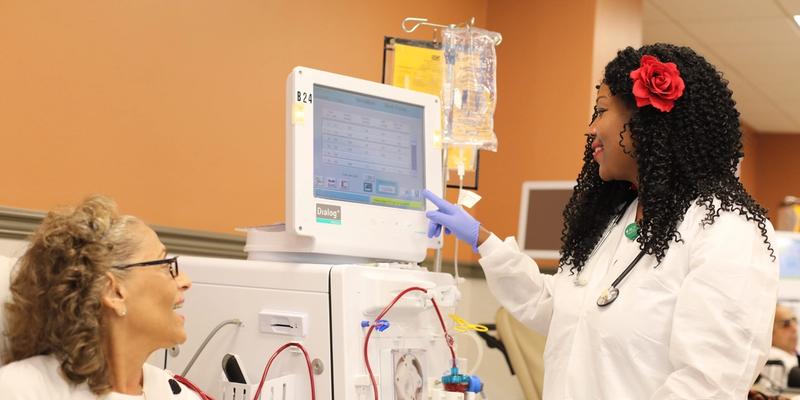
x,y
657,84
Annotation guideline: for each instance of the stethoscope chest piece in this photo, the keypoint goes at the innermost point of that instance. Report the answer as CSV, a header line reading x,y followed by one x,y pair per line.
x,y
608,296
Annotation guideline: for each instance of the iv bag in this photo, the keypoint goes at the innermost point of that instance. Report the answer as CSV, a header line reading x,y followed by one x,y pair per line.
x,y
469,87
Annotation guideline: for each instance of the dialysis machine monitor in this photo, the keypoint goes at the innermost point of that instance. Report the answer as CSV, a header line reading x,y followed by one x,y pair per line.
x,y
358,156
541,217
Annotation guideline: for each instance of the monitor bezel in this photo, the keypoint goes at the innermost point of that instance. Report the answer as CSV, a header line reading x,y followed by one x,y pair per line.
x,y
548,254
372,231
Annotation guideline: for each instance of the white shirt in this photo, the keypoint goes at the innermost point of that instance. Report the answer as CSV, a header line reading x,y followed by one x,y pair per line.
x,y
789,361
40,378
698,326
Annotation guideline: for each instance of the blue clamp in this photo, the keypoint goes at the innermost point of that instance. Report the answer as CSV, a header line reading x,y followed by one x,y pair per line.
x,y
455,378
475,384
380,325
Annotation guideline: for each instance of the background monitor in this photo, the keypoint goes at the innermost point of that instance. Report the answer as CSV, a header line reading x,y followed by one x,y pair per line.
x,y
359,155
787,248
541,217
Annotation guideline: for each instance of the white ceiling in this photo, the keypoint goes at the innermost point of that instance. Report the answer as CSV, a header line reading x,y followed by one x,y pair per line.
x,y
755,43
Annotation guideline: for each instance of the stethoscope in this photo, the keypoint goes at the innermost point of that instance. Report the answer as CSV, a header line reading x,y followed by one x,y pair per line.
x,y
609,295
612,292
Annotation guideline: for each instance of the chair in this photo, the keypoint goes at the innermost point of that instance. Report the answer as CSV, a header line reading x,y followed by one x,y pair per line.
x,y
525,351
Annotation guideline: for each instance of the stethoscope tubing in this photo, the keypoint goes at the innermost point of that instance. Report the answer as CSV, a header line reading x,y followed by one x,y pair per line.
x,y
610,295
628,269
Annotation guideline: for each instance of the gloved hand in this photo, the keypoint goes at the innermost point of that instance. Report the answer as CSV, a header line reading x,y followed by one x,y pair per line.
x,y
453,218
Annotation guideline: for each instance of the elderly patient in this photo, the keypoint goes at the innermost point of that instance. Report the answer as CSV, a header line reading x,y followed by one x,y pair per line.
x,y
91,298
784,341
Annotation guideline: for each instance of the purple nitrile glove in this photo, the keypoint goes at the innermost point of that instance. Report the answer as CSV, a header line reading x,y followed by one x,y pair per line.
x,y
453,218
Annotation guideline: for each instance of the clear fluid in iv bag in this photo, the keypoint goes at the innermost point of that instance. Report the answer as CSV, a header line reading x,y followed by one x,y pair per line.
x,y
472,102
469,112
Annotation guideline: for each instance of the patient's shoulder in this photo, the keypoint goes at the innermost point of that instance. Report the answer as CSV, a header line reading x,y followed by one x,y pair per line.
x,y
35,378
30,368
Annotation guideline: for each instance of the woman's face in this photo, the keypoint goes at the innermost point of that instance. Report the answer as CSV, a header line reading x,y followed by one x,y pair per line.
x,y
153,296
784,332
611,117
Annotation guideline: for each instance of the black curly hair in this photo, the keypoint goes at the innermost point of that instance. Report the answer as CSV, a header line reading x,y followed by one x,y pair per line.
x,y
688,155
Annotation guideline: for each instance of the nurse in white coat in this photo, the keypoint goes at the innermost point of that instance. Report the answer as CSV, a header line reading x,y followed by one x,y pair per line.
x,y
668,279
91,298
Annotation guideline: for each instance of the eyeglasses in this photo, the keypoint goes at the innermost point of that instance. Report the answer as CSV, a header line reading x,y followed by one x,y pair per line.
x,y
788,322
173,265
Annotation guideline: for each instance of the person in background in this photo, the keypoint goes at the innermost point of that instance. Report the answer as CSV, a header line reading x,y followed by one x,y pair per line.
x,y
784,345
91,298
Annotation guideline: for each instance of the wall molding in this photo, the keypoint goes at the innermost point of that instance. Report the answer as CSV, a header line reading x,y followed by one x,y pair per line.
x,y
19,224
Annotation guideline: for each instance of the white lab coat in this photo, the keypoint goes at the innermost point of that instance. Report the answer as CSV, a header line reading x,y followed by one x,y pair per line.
x,y
40,378
698,326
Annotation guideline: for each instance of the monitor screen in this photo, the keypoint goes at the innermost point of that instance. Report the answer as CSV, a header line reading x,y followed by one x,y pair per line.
x,y
368,149
541,217
787,248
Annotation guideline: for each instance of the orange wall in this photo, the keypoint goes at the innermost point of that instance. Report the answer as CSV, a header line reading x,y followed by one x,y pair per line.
x,y
748,167
770,169
543,81
174,108
544,71
778,170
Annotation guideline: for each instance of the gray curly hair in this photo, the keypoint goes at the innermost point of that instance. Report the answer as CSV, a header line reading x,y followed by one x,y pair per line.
x,y
56,288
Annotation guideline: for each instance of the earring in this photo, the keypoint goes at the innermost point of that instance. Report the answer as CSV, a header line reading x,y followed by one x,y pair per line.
x,y
122,312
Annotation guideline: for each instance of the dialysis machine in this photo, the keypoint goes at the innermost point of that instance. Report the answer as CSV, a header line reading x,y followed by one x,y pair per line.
x,y
338,283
